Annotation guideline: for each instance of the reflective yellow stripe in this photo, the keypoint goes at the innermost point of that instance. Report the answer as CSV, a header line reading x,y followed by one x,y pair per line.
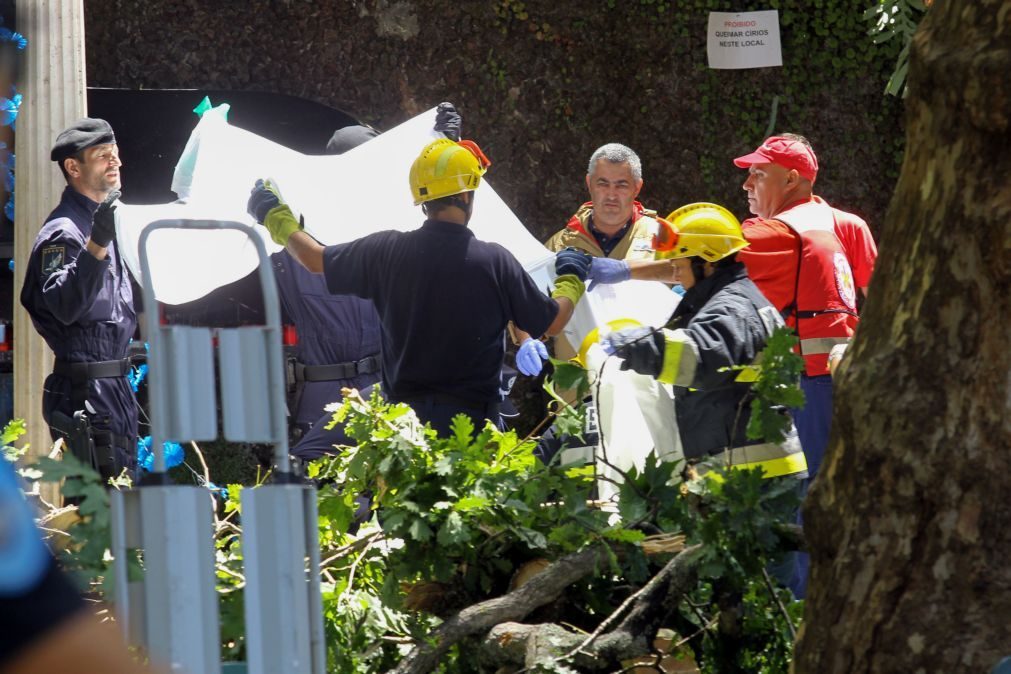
x,y
787,465
748,374
593,336
680,358
443,161
818,345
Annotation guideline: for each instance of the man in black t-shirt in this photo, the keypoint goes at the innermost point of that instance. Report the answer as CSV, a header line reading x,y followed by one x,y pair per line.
x,y
444,297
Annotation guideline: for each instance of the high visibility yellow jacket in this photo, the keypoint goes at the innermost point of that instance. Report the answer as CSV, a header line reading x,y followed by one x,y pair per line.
x,y
637,244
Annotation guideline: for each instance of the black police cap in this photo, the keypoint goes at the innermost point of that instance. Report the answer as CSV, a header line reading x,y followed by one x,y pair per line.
x,y
81,135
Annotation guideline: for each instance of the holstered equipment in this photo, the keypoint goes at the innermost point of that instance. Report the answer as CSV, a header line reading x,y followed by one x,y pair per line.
x,y
93,447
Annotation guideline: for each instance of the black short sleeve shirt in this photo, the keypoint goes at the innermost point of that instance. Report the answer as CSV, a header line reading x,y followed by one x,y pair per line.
x,y
444,299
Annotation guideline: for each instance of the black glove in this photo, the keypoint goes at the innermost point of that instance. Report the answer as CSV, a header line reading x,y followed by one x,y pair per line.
x,y
448,121
103,222
641,348
262,199
573,261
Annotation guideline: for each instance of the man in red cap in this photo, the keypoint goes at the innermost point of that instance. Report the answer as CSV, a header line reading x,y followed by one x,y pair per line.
x,y
808,259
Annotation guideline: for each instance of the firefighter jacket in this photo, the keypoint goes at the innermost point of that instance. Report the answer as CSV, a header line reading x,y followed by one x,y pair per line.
x,y
637,244
721,324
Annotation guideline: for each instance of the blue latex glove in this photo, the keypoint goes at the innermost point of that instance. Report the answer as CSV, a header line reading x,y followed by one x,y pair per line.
x,y
608,270
531,356
573,261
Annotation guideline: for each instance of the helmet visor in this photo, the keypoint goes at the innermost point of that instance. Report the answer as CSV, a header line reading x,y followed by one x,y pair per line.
x,y
665,239
482,159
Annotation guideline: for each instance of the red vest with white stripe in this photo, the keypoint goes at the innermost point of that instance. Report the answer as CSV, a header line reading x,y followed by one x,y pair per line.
x,y
824,308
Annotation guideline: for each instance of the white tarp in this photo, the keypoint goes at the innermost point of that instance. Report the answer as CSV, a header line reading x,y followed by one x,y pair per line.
x,y
342,198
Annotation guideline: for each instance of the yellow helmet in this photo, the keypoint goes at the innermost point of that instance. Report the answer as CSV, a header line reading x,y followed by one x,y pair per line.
x,y
445,168
701,230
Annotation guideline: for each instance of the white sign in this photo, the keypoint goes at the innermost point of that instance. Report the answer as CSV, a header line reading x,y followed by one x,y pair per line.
x,y
744,40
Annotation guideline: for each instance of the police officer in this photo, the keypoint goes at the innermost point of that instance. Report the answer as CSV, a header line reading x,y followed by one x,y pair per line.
x,y
45,626
338,335
444,297
80,298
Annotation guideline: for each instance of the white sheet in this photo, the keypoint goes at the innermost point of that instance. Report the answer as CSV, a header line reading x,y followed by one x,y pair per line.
x,y
342,198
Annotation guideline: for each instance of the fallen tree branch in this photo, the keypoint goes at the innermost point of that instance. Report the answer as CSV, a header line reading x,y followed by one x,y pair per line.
x,y
530,645
542,589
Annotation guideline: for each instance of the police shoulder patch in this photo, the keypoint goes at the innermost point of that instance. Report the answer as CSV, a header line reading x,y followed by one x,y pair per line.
x,y
52,258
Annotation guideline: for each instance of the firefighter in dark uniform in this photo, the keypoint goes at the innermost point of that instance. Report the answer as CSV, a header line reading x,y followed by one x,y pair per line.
x,y
444,297
338,335
79,295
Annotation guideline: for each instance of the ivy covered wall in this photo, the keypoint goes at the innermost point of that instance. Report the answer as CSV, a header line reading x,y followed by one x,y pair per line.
x,y
541,84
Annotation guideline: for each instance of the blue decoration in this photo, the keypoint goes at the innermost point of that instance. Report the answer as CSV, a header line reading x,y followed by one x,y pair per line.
x,y
174,454
9,209
10,265
9,109
218,491
136,376
8,35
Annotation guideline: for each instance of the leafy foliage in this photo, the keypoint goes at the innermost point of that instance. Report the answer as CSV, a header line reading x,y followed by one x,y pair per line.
x,y
11,432
86,556
776,389
454,518
469,507
896,20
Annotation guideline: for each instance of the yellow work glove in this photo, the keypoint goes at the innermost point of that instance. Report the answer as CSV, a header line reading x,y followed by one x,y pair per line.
x,y
281,224
570,287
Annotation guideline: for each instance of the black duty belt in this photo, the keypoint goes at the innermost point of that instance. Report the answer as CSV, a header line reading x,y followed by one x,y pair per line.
x,y
336,371
94,370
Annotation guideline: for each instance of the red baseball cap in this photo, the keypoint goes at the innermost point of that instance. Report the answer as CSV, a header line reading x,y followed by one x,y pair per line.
x,y
788,153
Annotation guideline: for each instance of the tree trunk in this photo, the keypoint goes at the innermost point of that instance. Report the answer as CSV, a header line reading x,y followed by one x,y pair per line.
x,y
909,523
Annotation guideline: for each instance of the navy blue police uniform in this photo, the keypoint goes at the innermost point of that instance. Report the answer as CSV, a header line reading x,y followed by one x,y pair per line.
x,y
83,308
444,299
338,347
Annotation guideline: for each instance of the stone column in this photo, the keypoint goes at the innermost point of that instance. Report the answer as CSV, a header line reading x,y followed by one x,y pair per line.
x,y
53,86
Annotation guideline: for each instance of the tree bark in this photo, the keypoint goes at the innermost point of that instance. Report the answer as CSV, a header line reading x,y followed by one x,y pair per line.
x,y
908,523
